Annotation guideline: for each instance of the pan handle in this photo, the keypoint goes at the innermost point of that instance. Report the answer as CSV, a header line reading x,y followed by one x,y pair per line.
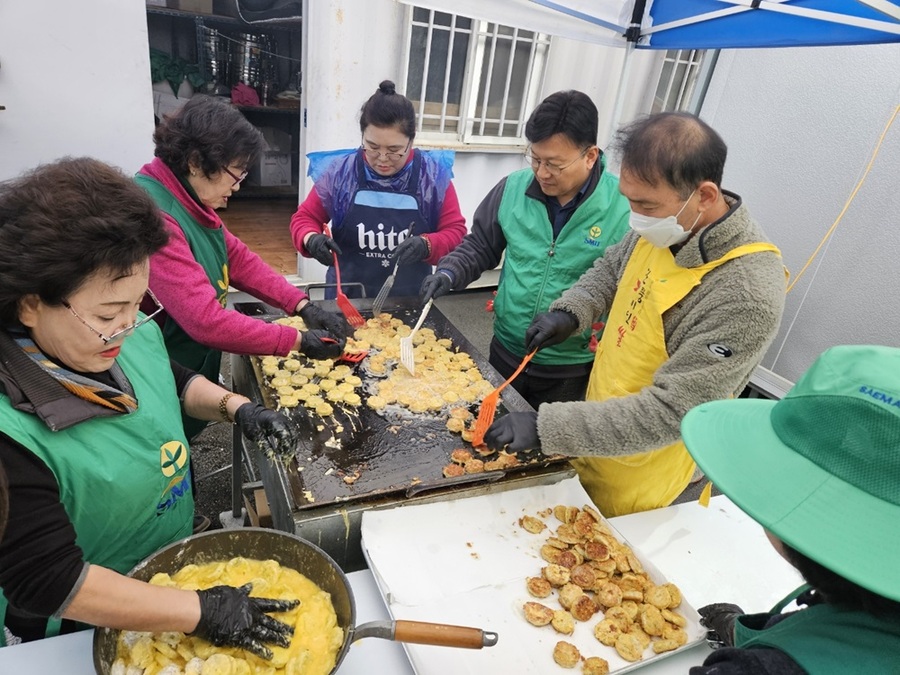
x,y
419,632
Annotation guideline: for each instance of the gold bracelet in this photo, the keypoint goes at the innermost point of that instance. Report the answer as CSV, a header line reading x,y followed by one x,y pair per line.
x,y
223,410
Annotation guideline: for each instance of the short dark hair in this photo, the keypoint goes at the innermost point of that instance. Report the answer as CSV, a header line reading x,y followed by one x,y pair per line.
x,y
571,113
208,131
677,148
838,590
387,108
63,222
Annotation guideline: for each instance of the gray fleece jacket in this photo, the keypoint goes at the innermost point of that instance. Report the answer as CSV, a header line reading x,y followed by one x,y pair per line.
x,y
737,307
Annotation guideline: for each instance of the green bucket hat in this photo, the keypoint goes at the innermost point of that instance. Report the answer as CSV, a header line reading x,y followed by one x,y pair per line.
x,y
820,468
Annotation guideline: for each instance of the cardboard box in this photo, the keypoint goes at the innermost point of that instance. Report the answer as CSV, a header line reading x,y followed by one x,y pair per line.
x,y
274,166
258,512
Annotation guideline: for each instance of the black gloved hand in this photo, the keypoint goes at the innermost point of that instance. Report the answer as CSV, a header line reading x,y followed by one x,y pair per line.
x,y
720,618
316,317
229,617
548,329
320,344
434,286
518,430
410,250
321,246
258,423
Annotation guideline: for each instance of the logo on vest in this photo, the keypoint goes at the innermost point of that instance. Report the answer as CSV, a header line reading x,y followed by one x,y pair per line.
x,y
719,351
173,457
880,396
376,243
593,235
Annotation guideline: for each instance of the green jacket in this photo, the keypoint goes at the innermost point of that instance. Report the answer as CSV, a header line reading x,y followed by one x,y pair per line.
x,y
124,480
826,640
538,269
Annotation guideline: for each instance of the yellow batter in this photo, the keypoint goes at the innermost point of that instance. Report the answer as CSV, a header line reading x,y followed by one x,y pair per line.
x,y
313,649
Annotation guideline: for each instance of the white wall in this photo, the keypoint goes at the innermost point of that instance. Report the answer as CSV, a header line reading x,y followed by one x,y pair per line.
x,y
801,125
75,80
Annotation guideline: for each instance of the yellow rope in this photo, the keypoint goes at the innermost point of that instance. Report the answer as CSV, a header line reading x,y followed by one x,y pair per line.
x,y
849,200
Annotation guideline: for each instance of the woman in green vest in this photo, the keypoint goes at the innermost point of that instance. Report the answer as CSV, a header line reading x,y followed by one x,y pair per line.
x,y
820,471
90,413
203,152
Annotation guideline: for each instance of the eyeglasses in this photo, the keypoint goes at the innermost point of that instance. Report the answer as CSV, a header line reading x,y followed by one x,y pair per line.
x,y
128,330
553,169
375,154
237,179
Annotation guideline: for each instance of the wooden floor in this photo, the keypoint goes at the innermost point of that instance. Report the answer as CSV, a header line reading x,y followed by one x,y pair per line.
x,y
264,226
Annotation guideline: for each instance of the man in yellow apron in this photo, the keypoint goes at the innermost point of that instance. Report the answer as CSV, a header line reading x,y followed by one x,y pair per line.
x,y
695,294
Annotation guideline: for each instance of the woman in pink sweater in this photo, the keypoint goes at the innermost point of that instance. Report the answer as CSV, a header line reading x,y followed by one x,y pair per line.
x,y
202,155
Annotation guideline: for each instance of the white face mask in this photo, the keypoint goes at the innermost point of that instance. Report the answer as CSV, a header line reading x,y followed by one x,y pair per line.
x,y
662,232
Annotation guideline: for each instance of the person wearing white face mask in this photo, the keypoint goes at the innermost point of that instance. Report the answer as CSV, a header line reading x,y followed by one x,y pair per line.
x,y
695,294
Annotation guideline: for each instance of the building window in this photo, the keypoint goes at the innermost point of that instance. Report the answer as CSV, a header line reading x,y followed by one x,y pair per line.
x,y
472,82
683,80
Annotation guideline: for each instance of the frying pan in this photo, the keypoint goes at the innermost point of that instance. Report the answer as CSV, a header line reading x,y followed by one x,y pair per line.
x,y
291,551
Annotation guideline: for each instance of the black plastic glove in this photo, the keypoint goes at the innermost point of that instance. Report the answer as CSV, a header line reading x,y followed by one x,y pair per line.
x,y
720,618
548,329
320,344
321,246
229,617
517,430
434,286
410,250
316,317
259,423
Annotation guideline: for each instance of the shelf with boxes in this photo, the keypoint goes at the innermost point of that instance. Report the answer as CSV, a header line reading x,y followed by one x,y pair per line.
x,y
257,65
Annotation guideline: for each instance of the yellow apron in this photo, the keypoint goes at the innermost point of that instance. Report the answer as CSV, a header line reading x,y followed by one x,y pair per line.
x,y
632,349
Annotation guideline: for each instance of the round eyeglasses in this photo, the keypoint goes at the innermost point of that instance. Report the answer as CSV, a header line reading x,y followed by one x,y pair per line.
x,y
393,156
552,169
128,330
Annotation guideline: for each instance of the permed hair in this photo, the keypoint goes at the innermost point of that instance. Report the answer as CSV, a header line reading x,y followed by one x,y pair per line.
x,y
64,222
571,113
675,148
211,133
387,108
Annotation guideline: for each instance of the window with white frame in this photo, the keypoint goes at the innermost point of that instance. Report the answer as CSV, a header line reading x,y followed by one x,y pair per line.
x,y
683,80
472,82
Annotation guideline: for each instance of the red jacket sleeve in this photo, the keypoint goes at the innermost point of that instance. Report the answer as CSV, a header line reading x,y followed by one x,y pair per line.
x,y
309,217
451,228
182,286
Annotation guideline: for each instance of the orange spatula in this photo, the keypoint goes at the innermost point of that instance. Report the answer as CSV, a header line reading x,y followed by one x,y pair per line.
x,y
489,404
354,318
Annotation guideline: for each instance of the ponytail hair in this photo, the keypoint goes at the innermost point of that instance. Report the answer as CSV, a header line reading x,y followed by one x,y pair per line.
x,y
387,108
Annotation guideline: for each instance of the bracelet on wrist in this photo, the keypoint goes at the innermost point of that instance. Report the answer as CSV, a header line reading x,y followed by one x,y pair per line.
x,y
223,409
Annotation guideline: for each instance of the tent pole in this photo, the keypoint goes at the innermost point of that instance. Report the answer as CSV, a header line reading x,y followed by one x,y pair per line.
x,y
624,77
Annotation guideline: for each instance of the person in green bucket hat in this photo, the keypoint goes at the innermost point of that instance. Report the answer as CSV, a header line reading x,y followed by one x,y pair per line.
x,y
820,471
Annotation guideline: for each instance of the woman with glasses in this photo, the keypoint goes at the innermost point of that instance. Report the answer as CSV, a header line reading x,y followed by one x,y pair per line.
x,y
90,416
388,203
202,154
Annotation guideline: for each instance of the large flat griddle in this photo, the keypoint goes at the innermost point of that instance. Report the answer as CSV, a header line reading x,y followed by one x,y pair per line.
x,y
392,452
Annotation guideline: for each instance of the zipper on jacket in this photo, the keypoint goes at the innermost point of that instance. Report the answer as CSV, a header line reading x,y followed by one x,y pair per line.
x,y
540,294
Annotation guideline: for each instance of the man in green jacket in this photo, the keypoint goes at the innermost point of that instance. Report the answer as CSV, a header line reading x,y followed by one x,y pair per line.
x,y
551,221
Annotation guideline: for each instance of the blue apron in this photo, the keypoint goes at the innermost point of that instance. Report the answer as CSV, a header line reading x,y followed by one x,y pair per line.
x,y
375,224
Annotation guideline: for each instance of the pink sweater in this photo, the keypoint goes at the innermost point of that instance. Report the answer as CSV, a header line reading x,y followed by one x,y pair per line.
x,y
183,288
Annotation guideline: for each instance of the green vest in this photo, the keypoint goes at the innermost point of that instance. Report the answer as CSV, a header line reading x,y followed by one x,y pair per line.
x,y
123,480
208,247
537,270
827,640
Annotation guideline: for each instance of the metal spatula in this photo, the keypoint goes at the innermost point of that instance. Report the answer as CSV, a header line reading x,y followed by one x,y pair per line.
x,y
388,283
406,343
